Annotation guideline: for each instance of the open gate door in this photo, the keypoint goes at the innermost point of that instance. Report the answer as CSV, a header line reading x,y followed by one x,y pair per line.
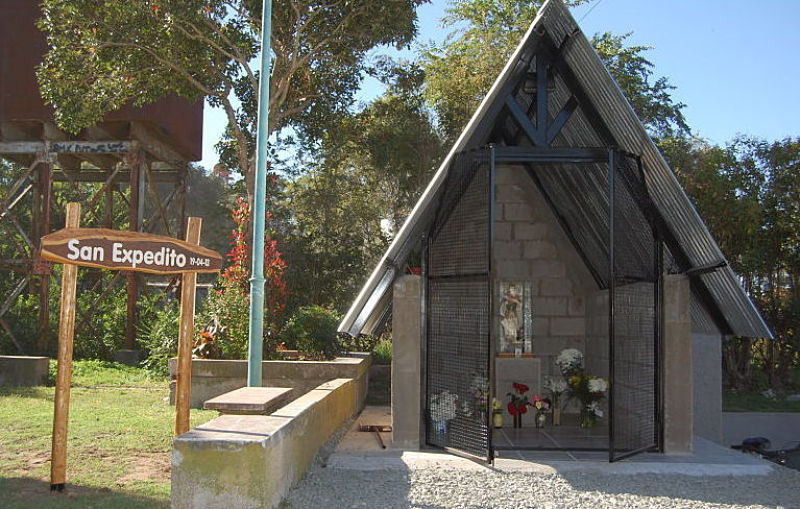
x,y
634,312
458,293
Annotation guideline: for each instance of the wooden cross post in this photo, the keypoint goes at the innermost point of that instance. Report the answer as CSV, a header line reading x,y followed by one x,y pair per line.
x,y
183,384
66,335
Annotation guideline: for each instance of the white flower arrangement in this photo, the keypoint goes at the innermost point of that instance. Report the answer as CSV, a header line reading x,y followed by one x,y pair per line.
x,y
569,360
479,387
598,384
443,406
594,407
555,385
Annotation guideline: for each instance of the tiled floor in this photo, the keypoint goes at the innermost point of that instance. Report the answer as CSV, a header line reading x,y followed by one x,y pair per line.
x,y
366,445
704,452
560,437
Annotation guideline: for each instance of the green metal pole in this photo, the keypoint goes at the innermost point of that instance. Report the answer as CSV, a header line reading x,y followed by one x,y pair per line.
x,y
256,329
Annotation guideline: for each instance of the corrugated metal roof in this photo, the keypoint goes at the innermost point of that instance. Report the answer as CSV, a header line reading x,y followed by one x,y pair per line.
x,y
555,24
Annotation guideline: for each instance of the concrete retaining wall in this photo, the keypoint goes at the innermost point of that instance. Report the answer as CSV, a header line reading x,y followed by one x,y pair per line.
x,y
707,368
780,427
20,370
210,378
252,461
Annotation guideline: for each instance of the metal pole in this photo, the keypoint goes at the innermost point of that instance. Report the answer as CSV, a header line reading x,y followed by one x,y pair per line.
x,y
492,337
612,167
256,330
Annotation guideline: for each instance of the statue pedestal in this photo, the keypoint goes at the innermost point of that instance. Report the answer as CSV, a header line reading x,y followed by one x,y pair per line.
x,y
525,370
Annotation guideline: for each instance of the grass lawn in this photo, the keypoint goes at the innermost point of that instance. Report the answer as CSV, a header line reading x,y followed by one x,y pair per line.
x,y
756,402
120,437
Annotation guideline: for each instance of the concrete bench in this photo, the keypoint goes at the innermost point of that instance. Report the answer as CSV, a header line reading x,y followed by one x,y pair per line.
x,y
250,400
21,370
252,461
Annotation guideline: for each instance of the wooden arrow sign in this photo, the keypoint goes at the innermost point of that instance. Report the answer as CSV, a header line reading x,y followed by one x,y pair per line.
x,y
124,250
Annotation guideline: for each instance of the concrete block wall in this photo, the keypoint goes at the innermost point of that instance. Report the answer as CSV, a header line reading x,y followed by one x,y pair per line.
x,y
597,333
530,245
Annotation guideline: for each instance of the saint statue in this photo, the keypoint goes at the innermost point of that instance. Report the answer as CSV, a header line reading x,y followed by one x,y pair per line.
x,y
510,317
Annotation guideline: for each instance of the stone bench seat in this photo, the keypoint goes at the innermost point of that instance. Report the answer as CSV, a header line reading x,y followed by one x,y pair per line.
x,y
250,400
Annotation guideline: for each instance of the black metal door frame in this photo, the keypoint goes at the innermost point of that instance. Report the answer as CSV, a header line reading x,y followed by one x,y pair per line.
x,y
464,445
528,155
638,193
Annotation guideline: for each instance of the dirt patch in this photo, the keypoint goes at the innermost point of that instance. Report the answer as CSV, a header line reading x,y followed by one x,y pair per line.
x,y
147,467
23,462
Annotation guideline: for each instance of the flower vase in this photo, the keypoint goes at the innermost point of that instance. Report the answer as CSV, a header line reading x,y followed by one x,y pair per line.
x,y
588,419
517,421
556,417
440,426
541,417
497,419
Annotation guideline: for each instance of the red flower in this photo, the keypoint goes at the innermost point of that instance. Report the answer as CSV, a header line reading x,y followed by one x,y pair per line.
x,y
520,388
512,409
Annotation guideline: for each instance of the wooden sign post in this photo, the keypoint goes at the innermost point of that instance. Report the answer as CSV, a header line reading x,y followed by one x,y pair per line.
x,y
183,384
66,335
121,250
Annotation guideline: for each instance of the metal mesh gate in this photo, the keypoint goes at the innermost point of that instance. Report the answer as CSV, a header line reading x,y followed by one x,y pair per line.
x,y
458,302
634,338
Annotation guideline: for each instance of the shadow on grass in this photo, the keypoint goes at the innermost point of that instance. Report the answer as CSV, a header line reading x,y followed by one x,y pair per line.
x,y
38,392
21,492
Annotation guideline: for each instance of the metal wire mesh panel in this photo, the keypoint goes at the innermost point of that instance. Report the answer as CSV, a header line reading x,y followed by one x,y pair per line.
x,y
458,352
634,343
458,296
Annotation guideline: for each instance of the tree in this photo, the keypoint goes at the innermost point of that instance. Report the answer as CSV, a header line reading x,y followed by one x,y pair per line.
x,y
393,143
651,100
105,54
337,236
368,174
749,194
484,33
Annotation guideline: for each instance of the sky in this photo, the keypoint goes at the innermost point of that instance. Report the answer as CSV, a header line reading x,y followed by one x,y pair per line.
x,y
733,62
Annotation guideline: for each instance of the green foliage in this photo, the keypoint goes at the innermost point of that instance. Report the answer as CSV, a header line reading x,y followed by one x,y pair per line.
x,y
757,402
360,343
749,194
393,144
459,72
103,331
364,181
22,319
484,34
336,237
229,306
382,353
211,199
94,373
651,100
312,331
103,55
158,336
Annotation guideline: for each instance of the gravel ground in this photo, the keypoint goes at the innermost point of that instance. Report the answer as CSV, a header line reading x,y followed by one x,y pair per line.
x,y
441,487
